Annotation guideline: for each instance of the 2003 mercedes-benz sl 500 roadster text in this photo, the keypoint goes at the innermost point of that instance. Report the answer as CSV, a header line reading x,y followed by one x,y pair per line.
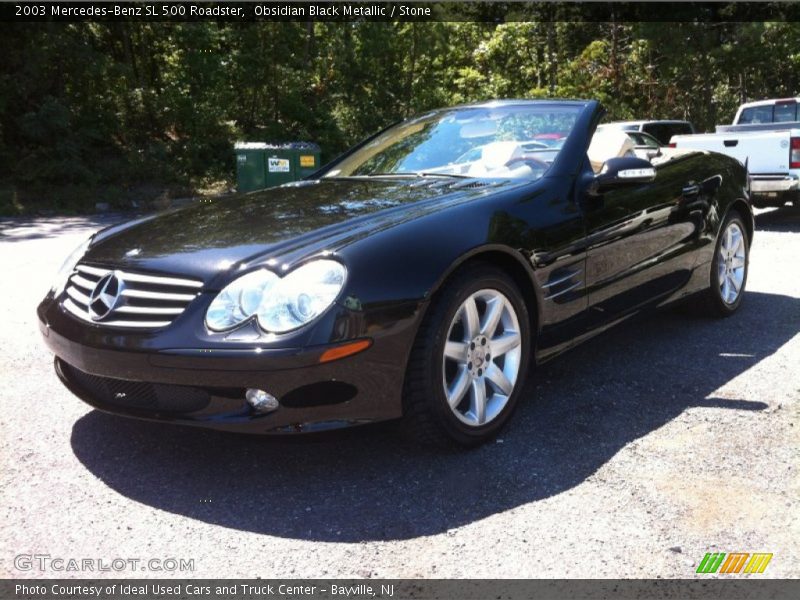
x,y
419,275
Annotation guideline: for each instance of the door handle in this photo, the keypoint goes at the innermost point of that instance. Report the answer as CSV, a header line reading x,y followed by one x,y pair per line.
x,y
730,143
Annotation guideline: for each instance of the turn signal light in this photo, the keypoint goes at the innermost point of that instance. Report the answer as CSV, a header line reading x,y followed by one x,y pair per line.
x,y
344,350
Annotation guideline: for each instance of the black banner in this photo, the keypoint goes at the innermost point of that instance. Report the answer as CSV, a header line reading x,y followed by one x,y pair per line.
x,y
399,11
469,589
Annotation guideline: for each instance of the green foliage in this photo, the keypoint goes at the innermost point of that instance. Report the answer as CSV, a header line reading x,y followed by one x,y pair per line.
x,y
121,104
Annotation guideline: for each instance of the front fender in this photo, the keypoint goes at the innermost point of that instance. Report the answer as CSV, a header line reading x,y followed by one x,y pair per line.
x,y
411,261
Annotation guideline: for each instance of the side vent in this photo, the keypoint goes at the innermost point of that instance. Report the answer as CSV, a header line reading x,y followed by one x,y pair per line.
x,y
561,283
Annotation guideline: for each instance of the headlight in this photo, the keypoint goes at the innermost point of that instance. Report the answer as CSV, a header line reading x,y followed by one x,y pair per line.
x,y
279,303
66,269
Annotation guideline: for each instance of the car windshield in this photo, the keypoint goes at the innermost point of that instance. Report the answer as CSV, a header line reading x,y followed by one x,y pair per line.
x,y
507,141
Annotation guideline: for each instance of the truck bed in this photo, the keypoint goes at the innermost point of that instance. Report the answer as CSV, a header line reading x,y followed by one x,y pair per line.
x,y
765,152
758,127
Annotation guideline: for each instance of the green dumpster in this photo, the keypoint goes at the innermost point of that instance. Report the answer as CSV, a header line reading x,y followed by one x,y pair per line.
x,y
260,165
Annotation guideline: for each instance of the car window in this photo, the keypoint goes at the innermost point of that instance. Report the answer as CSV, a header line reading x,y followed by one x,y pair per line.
x,y
636,137
785,112
653,129
648,140
680,129
509,141
642,139
756,114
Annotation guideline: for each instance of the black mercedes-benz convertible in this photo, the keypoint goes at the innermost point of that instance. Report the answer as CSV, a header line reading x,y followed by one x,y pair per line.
x,y
419,275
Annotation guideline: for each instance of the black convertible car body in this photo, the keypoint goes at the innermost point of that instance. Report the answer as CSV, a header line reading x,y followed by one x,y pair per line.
x,y
399,280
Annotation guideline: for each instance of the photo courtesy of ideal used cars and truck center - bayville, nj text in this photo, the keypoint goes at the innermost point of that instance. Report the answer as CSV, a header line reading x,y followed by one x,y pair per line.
x,y
399,300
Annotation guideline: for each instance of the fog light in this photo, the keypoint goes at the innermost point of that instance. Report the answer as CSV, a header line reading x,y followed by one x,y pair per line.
x,y
260,401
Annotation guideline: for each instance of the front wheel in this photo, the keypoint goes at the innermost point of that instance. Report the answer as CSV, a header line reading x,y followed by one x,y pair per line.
x,y
469,362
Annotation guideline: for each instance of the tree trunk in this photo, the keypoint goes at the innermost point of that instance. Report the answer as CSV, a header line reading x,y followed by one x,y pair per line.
x,y
409,91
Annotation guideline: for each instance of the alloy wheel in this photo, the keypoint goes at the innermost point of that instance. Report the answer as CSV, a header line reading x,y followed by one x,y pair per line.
x,y
731,263
482,357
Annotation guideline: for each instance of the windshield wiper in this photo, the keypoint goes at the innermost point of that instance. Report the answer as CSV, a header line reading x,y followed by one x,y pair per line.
x,y
418,174
453,175
368,175
390,174
405,174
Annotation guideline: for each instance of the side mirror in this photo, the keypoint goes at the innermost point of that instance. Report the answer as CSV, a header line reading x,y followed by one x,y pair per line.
x,y
622,171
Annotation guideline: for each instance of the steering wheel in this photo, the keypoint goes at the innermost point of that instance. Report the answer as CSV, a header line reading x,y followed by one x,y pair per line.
x,y
534,163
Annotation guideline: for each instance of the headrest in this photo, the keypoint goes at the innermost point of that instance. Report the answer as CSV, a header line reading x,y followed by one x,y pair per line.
x,y
608,143
497,154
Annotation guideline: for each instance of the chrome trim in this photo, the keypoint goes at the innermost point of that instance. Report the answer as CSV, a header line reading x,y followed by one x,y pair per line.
x,y
149,310
564,291
566,277
83,283
75,310
157,295
162,306
82,298
138,277
92,270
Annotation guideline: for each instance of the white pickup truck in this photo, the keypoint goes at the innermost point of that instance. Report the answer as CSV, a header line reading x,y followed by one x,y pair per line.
x,y
765,136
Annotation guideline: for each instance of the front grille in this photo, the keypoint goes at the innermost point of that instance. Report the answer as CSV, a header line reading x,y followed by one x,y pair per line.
x,y
133,300
139,395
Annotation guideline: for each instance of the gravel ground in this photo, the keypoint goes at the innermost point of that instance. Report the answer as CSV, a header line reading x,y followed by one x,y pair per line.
x,y
645,448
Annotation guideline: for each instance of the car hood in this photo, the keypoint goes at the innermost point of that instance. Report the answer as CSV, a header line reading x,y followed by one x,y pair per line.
x,y
284,223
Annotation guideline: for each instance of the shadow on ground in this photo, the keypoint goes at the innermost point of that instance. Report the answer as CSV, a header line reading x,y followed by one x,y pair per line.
x,y
784,219
367,484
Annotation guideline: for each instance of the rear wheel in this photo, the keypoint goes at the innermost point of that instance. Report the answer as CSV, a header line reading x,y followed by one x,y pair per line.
x,y
469,361
728,269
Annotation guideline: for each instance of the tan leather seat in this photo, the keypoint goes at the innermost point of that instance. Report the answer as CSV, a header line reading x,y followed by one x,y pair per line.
x,y
494,156
608,143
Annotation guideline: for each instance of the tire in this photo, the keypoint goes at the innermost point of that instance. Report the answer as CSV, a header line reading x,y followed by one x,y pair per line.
x,y
469,367
716,301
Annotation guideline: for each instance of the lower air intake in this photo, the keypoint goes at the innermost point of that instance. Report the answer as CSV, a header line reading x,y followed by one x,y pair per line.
x,y
139,395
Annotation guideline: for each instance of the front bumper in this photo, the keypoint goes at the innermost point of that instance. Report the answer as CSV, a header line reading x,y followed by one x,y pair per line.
x,y
206,386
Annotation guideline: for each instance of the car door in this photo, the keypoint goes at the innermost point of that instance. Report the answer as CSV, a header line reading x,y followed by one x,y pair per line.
x,y
639,241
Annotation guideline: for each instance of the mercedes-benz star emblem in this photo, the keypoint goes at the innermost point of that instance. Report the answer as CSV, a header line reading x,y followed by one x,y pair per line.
x,y
105,296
